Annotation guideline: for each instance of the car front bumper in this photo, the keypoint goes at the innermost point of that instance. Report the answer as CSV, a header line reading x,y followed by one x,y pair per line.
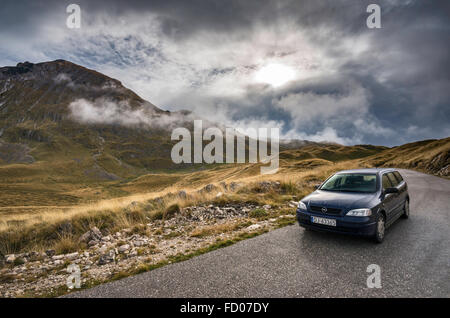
x,y
364,226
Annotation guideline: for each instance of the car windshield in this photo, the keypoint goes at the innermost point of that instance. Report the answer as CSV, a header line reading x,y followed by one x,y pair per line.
x,y
351,182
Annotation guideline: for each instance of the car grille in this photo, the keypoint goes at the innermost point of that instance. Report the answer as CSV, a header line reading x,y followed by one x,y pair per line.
x,y
316,208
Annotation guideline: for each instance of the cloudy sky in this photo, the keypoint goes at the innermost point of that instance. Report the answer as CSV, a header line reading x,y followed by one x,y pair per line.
x,y
312,68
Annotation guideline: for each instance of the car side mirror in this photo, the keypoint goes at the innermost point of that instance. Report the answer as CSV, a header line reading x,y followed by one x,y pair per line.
x,y
390,190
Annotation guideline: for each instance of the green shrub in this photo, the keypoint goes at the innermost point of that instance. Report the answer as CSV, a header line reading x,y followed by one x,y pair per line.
x,y
19,261
257,213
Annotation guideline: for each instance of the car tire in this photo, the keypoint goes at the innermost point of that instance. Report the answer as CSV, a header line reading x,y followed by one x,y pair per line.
x,y
405,214
380,229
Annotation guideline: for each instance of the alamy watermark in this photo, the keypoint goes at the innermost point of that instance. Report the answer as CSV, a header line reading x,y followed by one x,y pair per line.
x,y
374,279
74,279
74,19
374,19
238,143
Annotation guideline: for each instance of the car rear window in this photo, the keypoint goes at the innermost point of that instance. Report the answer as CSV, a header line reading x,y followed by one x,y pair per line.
x,y
385,182
393,179
398,176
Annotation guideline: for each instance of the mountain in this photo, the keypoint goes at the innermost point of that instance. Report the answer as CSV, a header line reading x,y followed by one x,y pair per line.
x,y
68,115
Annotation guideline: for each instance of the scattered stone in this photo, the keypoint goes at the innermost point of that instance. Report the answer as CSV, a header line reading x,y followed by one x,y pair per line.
x,y
103,249
218,195
138,243
93,234
182,194
72,256
234,186
209,188
57,257
10,258
253,227
106,258
32,256
267,207
123,248
266,186
133,253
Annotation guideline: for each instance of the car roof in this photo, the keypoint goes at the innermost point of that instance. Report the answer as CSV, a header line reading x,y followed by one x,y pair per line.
x,y
368,170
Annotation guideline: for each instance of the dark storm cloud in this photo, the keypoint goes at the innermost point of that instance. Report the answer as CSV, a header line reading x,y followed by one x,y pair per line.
x,y
355,85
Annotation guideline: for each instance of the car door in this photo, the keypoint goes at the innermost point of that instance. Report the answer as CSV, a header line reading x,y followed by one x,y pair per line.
x,y
389,199
402,187
398,197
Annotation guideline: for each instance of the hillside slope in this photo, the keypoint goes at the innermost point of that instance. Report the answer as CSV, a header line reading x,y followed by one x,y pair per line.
x,y
430,156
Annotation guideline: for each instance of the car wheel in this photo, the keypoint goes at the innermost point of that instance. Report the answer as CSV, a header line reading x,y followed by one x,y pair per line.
x,y
405,214
380,228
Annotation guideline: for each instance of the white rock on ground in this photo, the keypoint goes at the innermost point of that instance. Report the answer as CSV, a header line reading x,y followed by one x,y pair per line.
x,y
123,248
253,227
10,258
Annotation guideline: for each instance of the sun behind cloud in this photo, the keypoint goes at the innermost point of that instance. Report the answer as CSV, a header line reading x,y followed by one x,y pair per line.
x,y
275,74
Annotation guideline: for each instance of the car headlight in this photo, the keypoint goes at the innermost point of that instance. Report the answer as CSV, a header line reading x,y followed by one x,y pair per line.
x,y
359,212
301,205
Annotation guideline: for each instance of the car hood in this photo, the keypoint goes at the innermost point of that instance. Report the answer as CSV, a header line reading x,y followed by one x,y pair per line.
x,y
342,200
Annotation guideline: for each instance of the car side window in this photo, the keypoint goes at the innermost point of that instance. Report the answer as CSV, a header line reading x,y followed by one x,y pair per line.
x,y
392,179
398,176
385,182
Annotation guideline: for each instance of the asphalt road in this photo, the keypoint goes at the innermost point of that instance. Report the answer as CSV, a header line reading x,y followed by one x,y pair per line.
x,y
291,262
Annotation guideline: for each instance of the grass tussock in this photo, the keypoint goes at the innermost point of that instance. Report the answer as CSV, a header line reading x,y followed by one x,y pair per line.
x,y
258,213
67,244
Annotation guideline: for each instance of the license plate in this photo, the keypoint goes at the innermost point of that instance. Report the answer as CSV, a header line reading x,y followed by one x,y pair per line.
x,y
324,221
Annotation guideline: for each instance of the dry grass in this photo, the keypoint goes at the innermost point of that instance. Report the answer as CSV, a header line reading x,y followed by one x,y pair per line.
x,y
60,227
66,243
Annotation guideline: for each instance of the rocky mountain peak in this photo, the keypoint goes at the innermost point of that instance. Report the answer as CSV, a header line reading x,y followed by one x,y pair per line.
x,y
59,70
34,90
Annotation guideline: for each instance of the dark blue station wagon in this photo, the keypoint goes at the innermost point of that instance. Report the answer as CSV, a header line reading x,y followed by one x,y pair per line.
x,y
361,202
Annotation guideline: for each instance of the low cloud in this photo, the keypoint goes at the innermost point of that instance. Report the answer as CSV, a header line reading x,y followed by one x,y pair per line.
x,y
62,78
104,111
